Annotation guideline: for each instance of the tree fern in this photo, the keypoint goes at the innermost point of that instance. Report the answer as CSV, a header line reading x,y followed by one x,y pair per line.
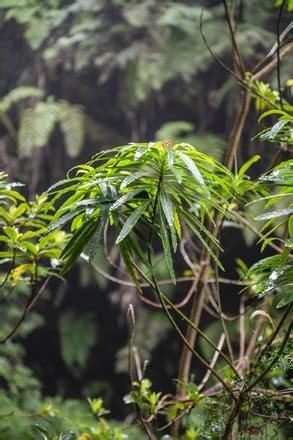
x,y
71,119
38,123
26,133
19,94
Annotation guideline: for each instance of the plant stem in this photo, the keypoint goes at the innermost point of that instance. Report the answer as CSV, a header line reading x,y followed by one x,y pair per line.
x,y
278,52
189,347
229,345
233,415
239,66
237,130
273,361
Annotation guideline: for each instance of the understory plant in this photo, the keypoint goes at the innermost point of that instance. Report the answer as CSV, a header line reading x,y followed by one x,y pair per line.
x,y
171,199
150,196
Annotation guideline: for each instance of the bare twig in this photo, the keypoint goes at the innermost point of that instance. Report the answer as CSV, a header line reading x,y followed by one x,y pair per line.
x,y
253,229
228,341
241,328
235,50
131,316
257,331
288,48
29,304
213,362
278,52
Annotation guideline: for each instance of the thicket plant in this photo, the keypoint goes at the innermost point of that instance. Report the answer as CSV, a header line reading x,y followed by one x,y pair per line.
x,y
30,258
151,194
122,189
170,196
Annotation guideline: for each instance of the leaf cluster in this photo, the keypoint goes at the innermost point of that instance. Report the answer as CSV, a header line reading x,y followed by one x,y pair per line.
x,y
143,191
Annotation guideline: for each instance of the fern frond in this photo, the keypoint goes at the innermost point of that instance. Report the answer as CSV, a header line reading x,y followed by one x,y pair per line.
x,y
72,125
46,117
18,94
36,126
25,138
38,123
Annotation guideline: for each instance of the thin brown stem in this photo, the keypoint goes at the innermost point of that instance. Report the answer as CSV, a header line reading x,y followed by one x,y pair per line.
x,y
29,304
7,122
278,52
239,65
253,229
213,362
241,328
228,341
257,331
237,130
273,63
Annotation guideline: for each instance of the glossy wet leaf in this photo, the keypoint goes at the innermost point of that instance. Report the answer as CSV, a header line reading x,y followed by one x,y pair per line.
x,y
125,198
194,170
131,221
275,214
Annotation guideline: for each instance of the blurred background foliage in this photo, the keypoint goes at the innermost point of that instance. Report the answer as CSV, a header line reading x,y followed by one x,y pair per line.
x,y
78,76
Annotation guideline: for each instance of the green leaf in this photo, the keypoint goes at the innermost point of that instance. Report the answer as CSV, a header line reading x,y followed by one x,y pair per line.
x,y
78,334
131,221
271,112
68,436
41,430
247,165
167,207
128,263
11,232
12,195
290,226
75,246
194,171
30,247
131,178
274,214
288,299
97,237
271,133
133,243
125,198
171,157
65,219
177,174
140,152
166,245
190,220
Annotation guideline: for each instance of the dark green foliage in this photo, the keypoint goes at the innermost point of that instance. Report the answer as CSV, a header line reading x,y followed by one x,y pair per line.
x,y
77,336
274,274
150,210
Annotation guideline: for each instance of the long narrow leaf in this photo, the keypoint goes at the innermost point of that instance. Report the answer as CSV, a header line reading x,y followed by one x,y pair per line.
x,y
97,237
125,198
166,245
65,219
128,263
194,171
131,178
131,221
167,207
